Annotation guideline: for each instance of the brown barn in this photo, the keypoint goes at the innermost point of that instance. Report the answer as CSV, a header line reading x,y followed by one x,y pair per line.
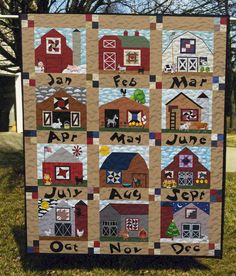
x,y
185,171
124,169
61,111
124,113
181,110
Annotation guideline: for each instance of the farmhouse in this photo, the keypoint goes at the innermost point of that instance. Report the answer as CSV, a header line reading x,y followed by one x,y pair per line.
x,y
129,51
124,169
191,220
116,219
182,110
54,55
61,110
187,52
185,171
124,113
65,220
62,168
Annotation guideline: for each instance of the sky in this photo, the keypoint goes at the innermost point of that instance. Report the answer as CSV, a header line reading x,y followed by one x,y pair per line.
x,y
107,95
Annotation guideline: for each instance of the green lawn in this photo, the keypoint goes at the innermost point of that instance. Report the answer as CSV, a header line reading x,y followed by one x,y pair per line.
x,y
231,140
14,261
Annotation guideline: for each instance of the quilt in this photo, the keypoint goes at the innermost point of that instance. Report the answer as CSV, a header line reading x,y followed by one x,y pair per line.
x,y
124,133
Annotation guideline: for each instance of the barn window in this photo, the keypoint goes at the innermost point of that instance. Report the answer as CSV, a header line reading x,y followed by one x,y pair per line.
x,y
132,57
132,224
62,214
185,161
47,118
63,229
61,103
202,175
134,116
114,177
185,178
191,231
191,213
187,46
75,119
109,43
169,174
203,61
62,173
109,228
189,115
53,45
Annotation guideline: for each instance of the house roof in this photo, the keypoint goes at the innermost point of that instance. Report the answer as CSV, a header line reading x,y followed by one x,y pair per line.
x,y
130,209
184,34
118,161
134,41
185,97
202,96
62,155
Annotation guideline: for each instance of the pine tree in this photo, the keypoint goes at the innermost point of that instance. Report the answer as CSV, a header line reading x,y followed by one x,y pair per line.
x,y
172,230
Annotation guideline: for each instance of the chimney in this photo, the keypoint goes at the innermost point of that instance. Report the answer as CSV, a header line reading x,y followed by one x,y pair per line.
x,y
76,47
136,33
125,33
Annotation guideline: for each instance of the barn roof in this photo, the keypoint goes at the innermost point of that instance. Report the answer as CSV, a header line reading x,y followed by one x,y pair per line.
x,y
185,97
118,161
62,155
53,32
130,209
179,35
185,151
134,41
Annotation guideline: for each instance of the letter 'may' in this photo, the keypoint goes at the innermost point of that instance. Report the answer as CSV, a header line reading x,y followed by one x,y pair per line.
x,y
124,133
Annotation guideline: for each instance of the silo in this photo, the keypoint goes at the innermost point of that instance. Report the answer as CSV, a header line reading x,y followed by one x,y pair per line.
x,y
76,47
203,101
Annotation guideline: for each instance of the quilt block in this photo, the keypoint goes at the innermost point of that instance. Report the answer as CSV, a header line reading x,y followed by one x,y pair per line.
x,y
124,133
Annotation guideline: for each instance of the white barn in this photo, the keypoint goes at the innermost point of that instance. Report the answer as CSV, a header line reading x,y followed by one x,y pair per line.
x,y
187,53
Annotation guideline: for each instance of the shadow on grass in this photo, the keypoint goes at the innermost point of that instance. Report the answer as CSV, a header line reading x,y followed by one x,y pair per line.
x,y
44,262
12,169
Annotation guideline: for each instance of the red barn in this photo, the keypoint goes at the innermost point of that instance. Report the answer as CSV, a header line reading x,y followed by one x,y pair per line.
x,y
185,171
63,168
53,52
129,51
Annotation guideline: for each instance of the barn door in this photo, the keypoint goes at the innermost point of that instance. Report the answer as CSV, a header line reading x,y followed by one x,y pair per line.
x,y
109,61
112,118
182,64
139,180
192,64
75,119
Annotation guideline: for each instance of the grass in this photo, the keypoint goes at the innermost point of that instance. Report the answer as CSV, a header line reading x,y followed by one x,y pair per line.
x,y
14,261
83,184
231,140
120,239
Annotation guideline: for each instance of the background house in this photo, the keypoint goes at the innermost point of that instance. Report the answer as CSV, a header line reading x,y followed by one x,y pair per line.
x,y
65,220
188,52
130,51
185,171
116,218
124,169
181,110
123,113
191,219
61,110
62,167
